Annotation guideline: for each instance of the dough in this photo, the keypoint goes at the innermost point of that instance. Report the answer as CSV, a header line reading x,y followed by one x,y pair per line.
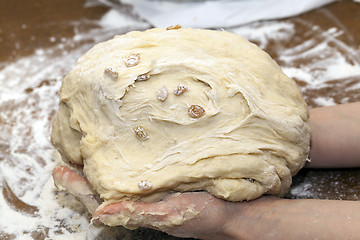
x,y
175,110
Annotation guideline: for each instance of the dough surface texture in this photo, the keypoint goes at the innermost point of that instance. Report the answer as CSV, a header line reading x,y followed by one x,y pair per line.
x,y
159,111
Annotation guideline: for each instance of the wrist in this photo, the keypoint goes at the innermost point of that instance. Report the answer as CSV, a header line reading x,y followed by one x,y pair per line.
x,y
236,225
245,217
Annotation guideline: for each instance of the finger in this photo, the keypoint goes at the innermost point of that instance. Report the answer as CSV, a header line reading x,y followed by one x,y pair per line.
x,y
69,180
173,211
131,215
75,184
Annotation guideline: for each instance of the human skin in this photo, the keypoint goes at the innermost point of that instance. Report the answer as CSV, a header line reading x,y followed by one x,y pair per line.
x,y
336,135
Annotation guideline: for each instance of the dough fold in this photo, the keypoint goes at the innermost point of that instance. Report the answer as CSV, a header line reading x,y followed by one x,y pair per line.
x,y
161,111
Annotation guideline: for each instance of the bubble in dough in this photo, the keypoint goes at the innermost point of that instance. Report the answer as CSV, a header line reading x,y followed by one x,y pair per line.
x,y
159,111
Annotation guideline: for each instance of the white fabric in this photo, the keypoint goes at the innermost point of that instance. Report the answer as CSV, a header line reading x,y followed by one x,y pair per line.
x,y
220,13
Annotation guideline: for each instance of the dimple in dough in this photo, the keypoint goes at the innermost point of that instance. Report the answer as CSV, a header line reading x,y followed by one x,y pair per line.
x,y
119,116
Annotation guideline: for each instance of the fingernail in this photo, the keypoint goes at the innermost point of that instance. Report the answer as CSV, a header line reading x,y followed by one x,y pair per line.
x,y
96,221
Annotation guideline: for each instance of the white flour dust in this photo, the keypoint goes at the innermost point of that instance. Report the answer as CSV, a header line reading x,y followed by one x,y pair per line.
x,y
323,58
29,99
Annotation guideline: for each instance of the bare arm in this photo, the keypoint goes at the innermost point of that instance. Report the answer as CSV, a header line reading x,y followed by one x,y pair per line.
x,y
335,143
275,218
263,219
335,137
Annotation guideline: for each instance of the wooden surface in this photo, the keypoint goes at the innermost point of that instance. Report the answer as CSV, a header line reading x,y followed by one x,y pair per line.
x,y
322,45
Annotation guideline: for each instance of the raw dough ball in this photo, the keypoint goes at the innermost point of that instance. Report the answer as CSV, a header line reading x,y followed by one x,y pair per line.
x,y
161,111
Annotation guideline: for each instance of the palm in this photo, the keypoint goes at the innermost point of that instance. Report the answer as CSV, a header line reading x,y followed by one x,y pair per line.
x,y
185,215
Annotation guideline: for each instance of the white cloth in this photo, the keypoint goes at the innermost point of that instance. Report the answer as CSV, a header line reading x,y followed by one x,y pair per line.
x,y
219,13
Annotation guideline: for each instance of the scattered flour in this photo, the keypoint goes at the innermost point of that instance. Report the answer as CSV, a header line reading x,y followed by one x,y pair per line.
x,y
323,58
28,100
302,190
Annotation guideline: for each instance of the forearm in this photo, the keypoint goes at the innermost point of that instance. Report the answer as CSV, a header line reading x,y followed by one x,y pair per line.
x,y
274,218
335,136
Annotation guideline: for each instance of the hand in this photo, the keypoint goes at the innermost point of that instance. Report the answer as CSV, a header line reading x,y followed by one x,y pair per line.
x,y
68,180
207,217
196,214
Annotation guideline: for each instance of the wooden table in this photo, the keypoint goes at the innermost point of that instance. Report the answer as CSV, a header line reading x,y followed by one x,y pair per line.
x,y
40,41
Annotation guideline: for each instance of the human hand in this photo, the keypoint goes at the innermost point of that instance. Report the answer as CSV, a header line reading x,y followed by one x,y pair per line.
x,y
70,181
195,214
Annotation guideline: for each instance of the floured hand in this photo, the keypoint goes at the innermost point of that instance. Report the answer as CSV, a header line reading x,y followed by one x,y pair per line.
x,y
75,184
195,214
203,213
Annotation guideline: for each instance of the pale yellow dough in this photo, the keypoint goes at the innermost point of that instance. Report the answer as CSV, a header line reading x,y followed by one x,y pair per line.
x,y
253,137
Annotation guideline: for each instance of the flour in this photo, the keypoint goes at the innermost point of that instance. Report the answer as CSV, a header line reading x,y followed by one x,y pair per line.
x,y
28,100
302,190
324,57
324,101
264,32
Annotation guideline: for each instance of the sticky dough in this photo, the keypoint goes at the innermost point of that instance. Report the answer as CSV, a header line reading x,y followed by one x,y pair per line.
x,y
120,117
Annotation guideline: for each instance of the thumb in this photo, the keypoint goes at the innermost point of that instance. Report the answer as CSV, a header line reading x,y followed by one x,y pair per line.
x,y
75,184
159,215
